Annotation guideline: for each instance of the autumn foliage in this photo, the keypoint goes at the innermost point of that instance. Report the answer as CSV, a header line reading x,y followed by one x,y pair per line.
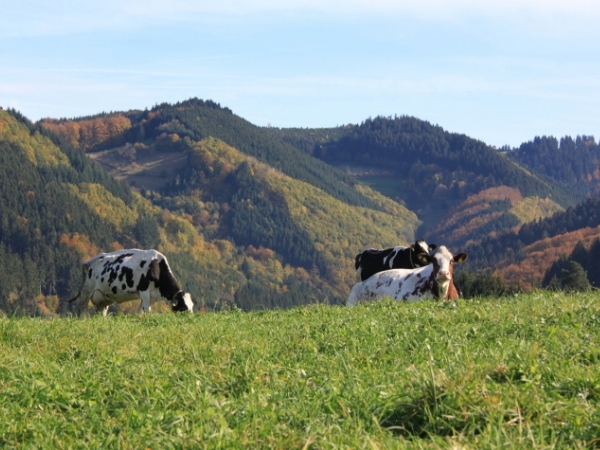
x,y
540,256
91,134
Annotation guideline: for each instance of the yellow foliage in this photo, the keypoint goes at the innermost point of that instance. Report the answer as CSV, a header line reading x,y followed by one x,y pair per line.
x,y
114,246
338,230
38,149
81,243
534,208
107,206
216,155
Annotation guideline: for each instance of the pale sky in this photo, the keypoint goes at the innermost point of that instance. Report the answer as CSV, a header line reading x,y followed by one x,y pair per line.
x,y
502,72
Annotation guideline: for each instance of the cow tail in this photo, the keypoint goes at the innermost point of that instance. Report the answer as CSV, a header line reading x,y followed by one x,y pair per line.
x,y
75,298
83,270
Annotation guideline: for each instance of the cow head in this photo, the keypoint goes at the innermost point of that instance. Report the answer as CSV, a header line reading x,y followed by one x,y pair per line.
x,y
443,267
416,249
421,247
182,302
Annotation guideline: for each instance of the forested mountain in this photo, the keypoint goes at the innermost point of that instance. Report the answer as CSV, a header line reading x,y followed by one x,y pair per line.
x,y
43,219
525,255
573,163
259,224
462,189
267,217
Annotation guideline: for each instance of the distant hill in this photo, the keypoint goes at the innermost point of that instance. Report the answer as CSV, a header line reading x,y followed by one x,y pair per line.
x,y
524,256
440,176
286,225
574,163
266,217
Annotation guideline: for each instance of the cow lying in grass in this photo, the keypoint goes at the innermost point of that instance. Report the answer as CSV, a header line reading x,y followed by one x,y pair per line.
x,y
372,260
434,280
126,275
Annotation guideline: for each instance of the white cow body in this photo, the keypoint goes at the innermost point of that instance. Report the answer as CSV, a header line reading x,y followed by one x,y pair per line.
x,y
127,275
431,281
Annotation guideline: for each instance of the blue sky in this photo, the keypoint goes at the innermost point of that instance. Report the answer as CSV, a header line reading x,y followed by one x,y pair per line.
x,y
500,72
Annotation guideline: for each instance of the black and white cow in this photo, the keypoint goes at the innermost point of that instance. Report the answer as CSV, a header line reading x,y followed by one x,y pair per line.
x,y
372,260
433,280
126,275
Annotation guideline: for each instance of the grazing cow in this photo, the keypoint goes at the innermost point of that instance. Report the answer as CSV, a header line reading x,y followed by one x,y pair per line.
x,y
431,281
372,260
126,275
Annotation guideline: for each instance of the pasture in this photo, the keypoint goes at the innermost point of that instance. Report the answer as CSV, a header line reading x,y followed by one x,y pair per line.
x,y
518,372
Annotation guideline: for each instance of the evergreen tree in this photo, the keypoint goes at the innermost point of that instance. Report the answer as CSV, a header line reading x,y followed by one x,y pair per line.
x,y
575,278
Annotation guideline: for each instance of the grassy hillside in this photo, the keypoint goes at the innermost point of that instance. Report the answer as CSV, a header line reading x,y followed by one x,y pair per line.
x,y
519,372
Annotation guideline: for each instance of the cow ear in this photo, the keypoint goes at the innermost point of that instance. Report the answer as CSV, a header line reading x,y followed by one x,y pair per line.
x,y
432,247
460,258
154,270
423,258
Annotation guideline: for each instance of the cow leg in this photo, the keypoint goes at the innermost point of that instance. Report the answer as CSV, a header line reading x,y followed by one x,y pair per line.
x,y
82,301
100,302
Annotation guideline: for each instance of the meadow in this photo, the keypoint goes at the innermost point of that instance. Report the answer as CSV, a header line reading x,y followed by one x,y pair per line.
x,y
514,372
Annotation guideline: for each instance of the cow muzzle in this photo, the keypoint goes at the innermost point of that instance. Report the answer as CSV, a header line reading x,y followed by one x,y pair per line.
x,y
444,275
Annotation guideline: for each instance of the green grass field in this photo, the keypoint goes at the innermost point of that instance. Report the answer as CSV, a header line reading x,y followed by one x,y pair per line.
x,y
518,372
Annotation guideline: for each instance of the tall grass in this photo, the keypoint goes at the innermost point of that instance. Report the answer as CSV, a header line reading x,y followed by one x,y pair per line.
x,y
520,372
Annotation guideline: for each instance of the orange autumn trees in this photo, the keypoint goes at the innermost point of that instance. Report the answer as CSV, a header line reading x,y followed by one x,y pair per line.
x,y
91,134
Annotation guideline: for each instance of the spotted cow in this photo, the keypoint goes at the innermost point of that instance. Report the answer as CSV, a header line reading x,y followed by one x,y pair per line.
x,y
126,275
372,260
434,280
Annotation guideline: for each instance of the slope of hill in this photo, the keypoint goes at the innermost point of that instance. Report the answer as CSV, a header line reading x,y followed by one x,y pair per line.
x,y
491,211
433,172
517,373
286,225
57,208
574,163
523,256
261,216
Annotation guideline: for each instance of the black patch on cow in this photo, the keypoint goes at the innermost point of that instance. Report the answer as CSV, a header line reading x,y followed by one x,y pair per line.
x,y
123,287
102,280
90,273
154,270
128,276
152,274
144,283
112,276
167,285
114,289
143,263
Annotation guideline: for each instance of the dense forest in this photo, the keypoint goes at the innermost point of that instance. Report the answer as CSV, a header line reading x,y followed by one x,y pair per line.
x,y
267,217
236,227
39,213
509,246
581,260
572,162
433,164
